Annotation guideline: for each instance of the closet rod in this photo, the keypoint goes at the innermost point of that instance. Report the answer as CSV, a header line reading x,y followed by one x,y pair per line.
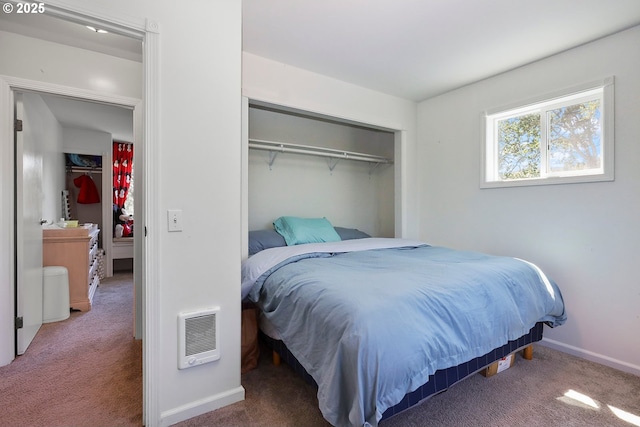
x,y
83,169
284,147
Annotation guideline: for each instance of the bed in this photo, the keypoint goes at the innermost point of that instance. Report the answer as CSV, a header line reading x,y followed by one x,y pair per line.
x,y
379,324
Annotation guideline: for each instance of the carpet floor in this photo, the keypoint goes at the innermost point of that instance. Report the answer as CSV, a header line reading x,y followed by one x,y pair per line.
x,y
82,371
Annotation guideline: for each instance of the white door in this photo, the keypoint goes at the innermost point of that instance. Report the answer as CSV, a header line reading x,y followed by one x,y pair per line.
x,y
29,196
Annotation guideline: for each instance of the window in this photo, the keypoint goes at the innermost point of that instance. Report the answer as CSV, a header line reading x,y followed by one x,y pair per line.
x,y
564,138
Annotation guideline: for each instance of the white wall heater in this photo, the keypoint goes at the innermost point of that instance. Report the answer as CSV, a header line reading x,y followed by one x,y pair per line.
x,y
198,333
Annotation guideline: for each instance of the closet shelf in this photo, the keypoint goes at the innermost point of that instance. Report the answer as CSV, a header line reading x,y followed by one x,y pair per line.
x,y
275,147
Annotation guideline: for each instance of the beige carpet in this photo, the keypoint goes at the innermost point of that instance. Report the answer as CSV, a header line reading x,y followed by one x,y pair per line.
x,y
554,389
83,371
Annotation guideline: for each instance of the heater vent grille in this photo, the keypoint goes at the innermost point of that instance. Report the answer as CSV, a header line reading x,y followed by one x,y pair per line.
x,y
200,334
198,337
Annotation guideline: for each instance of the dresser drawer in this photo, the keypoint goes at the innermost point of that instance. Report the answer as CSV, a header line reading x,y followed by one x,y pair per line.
x,y
93,253
93,270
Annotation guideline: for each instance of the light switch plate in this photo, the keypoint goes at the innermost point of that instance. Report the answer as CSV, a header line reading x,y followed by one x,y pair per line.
x,y
174,220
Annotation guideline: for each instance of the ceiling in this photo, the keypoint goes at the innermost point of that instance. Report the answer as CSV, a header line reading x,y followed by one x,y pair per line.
x,y
57,30
417,49
413,49
118,121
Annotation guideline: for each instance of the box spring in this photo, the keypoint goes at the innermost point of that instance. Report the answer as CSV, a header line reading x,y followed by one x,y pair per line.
x,y
438,381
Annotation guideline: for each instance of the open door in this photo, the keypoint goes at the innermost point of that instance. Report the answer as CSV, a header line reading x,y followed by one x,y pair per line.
x,y
29,196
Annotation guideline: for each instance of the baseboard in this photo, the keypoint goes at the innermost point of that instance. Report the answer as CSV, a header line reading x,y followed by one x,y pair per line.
x,y
591,356
202,406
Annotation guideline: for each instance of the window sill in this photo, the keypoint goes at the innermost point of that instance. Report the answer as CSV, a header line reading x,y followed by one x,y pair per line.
x,y
547,181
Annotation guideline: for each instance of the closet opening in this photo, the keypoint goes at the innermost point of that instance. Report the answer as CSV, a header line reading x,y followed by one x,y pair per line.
x,y
333,168
92,182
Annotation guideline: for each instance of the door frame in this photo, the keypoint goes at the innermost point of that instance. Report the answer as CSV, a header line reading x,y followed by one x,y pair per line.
x,y
146,131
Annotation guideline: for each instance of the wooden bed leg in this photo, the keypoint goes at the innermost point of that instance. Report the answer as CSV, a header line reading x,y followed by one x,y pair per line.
x,y
276,358
527,352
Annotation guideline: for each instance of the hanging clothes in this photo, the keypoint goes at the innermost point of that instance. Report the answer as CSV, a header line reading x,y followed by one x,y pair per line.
x,y
88,191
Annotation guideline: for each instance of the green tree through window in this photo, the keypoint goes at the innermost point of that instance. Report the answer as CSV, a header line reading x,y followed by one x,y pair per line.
x,y
519,147
574,137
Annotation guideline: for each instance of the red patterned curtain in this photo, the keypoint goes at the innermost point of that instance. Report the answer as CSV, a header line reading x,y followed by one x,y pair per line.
x,y
122,165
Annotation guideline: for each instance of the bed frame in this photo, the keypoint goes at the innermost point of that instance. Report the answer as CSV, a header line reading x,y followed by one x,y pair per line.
x,y
438,382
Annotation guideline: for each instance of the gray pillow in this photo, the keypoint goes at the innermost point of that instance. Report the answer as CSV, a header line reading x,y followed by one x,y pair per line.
x,y
350,233
264,239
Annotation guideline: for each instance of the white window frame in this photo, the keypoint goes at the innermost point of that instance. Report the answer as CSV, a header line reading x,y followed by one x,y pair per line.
x,y
604,89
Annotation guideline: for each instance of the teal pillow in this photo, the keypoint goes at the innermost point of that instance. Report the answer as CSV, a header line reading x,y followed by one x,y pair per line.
x,y
297,231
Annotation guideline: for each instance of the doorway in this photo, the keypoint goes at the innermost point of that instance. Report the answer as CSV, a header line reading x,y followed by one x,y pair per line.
x,y
146,120
146,128
53,155
87,128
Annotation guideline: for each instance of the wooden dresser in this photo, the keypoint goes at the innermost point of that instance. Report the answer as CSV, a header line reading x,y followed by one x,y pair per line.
x,y
77,249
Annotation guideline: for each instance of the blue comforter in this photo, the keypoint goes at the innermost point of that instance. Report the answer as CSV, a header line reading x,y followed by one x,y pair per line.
x,y
370,326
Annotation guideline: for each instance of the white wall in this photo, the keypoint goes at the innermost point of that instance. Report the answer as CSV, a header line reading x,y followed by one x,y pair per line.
x,y
280,84
585,236
85,141
301,185
199,101
64,65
